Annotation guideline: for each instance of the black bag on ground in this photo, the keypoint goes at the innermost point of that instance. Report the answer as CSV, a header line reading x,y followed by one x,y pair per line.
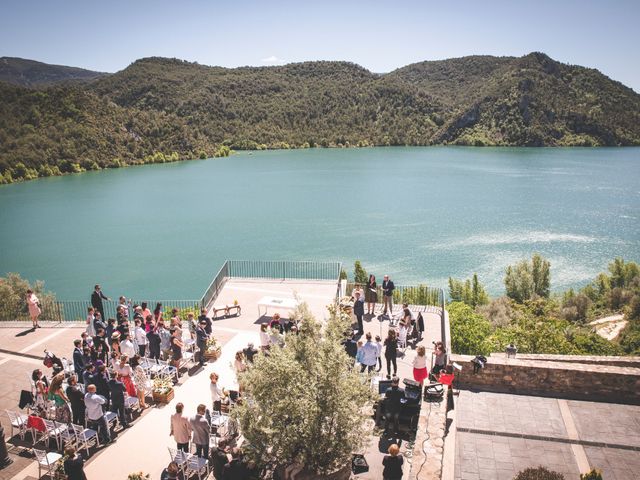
x,y
359,464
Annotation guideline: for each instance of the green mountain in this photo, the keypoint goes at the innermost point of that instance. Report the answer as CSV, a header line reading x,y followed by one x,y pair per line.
x,y
30,73
160,109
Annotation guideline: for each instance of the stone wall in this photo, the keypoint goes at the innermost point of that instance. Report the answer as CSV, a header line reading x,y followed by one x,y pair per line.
x,y
581,381
426,461
591,359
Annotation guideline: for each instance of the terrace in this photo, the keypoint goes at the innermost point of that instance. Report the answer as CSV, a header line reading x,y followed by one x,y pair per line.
x,y
242,282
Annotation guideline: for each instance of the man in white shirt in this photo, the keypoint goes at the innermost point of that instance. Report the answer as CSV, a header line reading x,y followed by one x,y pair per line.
x,y
95,415
141,337
126,346
181,428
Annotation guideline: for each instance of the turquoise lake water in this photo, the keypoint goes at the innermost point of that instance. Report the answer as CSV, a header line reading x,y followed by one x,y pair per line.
x,y
419,214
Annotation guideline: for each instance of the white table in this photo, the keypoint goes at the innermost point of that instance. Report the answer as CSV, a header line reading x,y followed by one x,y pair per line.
x,y
274,302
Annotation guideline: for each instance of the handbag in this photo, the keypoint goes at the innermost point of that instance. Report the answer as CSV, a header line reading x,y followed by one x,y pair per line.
x,y
359,464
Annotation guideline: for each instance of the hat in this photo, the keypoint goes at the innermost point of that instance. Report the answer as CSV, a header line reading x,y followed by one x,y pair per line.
x,y
115,335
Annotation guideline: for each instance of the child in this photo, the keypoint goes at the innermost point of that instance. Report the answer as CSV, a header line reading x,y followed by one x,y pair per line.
x,y
379,346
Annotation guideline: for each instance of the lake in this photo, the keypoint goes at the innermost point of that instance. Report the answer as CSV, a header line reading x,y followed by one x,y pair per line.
x,y
418,214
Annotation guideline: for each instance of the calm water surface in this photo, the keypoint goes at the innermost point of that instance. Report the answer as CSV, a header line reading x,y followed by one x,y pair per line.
x,y
419,214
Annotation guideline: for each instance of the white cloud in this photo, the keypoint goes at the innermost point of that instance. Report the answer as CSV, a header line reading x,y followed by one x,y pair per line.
x,y
272,59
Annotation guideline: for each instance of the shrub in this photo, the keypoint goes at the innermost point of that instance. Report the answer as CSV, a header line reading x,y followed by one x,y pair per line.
x,y
303,403
539,473
594,474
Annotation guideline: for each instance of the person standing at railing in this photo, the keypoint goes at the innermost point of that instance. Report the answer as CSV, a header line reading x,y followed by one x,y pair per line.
x,y
96,300
387,292
34,308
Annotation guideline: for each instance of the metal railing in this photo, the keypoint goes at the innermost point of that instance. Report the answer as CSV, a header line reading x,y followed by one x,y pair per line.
x,y
285,270
273,270
411,294
76,310
211,293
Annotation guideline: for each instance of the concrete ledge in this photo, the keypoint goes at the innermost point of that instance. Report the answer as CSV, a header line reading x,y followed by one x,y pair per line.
x,y
580,381
590,359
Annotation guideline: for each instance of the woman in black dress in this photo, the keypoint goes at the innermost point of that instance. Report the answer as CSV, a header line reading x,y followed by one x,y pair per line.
x,y
371,294
391,352
176,347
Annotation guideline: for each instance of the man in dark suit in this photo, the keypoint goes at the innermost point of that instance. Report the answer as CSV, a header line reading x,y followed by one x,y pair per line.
x,y
117,391
387,292
100,380
203,316
78,358
393,405
201,339
96,300
358,311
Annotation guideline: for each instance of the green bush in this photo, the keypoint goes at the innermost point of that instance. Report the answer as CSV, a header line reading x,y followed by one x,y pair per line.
x,y
539,473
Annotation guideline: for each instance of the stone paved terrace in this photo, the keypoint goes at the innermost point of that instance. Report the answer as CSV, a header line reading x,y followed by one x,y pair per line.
x,y
152,429
500,434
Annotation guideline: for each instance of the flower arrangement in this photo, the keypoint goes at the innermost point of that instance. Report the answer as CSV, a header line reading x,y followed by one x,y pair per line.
x,y
162,384
58,470
213,350
162,388
138,476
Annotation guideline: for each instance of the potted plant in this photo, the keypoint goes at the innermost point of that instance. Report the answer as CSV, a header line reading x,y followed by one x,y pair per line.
x,y
213,350
162,388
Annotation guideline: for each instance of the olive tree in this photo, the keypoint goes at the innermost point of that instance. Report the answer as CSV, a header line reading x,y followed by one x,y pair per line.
x,y
303,403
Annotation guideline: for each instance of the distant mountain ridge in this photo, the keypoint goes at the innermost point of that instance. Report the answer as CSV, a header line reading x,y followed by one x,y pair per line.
x,y
30,73
160,109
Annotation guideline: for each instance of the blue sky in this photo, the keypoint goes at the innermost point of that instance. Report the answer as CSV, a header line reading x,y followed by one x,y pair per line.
x,y
379,35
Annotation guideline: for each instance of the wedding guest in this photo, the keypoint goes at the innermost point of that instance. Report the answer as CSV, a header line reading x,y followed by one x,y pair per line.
x,y
420,365
96,300
90,319
34,308
75,393
358,310
371,294
141,381
387,292
74,464
392,464
391,352
140,336
180,428
201,427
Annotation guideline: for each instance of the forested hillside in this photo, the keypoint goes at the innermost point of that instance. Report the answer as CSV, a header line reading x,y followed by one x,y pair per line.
x,y
31,73
160,109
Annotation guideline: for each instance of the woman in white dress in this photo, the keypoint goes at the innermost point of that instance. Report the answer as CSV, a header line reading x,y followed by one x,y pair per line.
x,y
34,308
91,331
141,380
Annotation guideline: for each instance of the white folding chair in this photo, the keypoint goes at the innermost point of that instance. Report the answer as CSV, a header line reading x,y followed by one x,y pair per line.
x,y
112,419
131,404
47,460
180,457
197,466
54,430
18,421
86,437
168,369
